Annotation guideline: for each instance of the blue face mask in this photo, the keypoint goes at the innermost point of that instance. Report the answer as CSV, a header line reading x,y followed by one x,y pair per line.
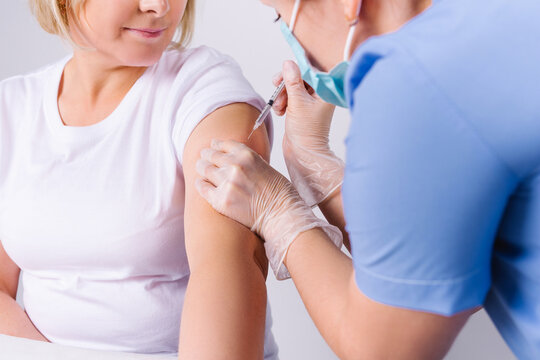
x,y
329,86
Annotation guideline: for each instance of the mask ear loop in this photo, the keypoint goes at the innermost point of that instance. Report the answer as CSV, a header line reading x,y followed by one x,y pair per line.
x,y
348,44
350,37
294,14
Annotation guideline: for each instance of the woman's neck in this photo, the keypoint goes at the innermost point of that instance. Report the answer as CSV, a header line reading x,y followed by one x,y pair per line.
x,y
95,76
94,86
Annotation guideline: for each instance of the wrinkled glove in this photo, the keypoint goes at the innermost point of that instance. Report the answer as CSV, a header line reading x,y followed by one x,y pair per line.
x,y
315,170
240,184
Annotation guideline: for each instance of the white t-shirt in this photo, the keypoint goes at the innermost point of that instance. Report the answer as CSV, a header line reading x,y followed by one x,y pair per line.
x,y
94,215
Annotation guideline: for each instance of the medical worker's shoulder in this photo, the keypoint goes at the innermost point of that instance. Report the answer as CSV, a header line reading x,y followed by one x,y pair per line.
x,y
463,55
439,47
371,66
429,41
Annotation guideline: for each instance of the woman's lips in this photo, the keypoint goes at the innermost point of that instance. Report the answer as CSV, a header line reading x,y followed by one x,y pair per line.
x,y
147,33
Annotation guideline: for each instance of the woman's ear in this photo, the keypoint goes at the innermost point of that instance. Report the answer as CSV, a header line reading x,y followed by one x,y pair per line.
x,y
351,9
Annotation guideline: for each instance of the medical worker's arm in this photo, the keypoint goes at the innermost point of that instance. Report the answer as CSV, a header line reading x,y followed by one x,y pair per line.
x,y
424,196
225,304
315,171
13,319
332,209
354,326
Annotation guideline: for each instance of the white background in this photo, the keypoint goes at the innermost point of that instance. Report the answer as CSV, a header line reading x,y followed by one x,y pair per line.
x,y
243,29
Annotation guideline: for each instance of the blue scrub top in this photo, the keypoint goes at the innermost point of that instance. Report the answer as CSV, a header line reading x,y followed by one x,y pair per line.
x,y
442,183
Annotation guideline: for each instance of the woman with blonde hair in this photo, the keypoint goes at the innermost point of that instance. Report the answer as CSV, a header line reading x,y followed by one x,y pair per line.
x,y
98,207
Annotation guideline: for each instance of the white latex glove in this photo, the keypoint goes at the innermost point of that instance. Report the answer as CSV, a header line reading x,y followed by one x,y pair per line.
x,y
240,184
315,170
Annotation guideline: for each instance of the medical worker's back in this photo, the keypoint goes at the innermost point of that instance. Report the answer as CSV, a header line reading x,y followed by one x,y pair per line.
x,y
442,186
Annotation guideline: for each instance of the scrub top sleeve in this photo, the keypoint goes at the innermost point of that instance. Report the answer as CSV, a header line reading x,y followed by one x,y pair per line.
x,y
423,193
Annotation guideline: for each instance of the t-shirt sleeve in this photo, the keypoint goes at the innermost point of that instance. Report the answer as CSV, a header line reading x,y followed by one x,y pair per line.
x,y
216,81
423,192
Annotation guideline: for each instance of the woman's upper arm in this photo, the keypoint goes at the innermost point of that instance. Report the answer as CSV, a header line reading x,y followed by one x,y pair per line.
x,y
226,296
233,122
9,274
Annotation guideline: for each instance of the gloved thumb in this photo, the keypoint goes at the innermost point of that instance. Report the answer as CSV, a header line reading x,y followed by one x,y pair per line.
x,y
293,80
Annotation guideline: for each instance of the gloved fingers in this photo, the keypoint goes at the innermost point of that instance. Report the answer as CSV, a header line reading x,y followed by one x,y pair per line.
x,y
229,146
280,104
311,91
295,85
215,157
210,172
282,101
277,78
207,191
245,167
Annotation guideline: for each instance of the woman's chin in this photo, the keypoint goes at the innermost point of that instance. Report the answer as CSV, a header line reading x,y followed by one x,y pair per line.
x,y
141,59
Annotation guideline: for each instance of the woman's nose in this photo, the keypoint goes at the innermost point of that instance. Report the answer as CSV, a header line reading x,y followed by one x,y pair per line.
x,y
158,7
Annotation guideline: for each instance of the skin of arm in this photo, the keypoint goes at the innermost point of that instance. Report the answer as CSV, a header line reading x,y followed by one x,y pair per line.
x,y
225,304
13,319
355,326
332,209
242,185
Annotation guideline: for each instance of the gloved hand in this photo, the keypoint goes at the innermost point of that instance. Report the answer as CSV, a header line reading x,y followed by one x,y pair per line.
x,y
240,184
315,170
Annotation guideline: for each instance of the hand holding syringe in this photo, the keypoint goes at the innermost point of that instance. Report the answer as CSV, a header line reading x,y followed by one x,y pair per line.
x,y
306,147
274,101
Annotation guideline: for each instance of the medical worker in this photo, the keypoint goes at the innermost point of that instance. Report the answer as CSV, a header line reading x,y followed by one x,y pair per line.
x,y
441,187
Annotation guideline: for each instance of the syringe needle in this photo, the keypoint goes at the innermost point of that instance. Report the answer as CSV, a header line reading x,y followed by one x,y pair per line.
x,y
267,108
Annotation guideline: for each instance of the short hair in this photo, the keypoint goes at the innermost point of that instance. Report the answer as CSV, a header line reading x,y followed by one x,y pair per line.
x,y
52,16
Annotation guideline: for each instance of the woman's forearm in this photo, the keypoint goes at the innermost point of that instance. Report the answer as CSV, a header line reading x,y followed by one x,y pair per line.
x,y
224,309
15,322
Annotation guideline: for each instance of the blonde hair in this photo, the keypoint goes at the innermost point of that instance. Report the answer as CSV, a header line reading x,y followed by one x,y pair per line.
x,y
52,16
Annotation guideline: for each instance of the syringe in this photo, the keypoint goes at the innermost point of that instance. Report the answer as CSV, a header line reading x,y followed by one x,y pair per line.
x,y
267,108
